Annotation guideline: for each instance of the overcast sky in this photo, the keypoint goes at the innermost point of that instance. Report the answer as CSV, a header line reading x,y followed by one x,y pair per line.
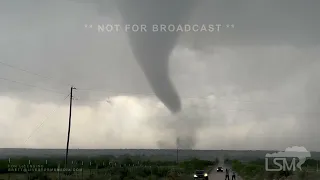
x,y
250,86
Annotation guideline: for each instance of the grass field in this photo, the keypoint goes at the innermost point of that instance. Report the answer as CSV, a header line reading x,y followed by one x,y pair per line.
x,y
120,168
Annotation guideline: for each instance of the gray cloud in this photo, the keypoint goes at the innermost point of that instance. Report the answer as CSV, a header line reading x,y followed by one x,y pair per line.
x,y
267,63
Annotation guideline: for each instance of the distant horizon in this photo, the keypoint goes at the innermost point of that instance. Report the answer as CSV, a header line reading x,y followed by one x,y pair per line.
x,y
151,149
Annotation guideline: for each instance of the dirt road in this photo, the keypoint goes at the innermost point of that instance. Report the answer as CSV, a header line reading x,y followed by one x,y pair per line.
x,y
214,175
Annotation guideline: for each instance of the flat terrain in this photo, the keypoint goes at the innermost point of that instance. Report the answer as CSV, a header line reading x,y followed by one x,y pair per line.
x,y
243,155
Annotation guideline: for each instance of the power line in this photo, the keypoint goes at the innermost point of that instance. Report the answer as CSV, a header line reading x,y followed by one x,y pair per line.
x,y
30,72
116,92
206,98
45,119
229,109
30,85
119,93
184,97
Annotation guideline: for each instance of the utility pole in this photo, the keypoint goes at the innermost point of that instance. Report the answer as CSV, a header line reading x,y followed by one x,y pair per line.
x,y
69,126
177,155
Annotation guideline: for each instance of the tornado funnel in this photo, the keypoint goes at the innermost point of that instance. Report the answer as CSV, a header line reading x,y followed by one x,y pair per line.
x,y
152,46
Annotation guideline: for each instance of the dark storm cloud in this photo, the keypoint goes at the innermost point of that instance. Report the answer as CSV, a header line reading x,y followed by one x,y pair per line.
x,y
49,38
152,49
272,45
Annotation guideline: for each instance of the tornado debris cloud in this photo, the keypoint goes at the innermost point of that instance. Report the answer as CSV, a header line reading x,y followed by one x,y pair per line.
x,y
152,49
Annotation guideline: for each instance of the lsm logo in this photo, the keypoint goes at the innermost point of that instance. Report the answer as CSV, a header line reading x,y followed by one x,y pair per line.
x,y
280,159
